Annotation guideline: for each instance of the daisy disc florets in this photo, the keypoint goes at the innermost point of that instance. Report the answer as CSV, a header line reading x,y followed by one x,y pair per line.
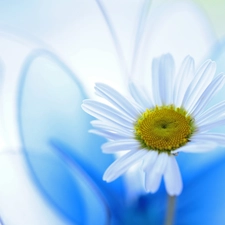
x,y
154,126
164,128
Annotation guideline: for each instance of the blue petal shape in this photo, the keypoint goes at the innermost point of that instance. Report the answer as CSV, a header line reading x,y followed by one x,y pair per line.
x,y
54,180
49,102
115,203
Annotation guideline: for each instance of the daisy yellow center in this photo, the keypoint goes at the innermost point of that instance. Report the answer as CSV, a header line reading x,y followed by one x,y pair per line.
x,y
164,128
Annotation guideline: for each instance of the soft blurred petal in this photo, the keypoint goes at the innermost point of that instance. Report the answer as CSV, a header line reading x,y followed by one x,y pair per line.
x,y
49,106
107,192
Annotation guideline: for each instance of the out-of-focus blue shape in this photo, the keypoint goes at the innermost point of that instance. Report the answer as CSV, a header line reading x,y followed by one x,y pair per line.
x,y
147,209
56,183
49,102
114,202
1,222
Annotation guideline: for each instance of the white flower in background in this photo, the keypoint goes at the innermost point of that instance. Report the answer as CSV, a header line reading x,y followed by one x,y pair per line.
x,y
158,122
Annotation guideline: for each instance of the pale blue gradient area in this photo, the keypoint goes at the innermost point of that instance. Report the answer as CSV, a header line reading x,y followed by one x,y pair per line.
x,y
49,103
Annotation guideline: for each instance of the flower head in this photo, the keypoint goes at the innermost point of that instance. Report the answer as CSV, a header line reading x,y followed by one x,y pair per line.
x,y
156,125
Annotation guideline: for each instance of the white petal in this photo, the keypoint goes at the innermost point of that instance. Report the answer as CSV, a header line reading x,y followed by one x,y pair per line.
x,y
161,163
152,181
199,83
208,125
117,99
120,145
107,134
207,95
153,176
210,114
162,79
195,147
122,164
210,137
172,177
183,79
106,113
166,77
140,96
149,160
155,82
112,127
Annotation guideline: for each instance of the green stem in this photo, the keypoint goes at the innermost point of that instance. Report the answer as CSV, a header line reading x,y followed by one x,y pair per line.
x,y
170,210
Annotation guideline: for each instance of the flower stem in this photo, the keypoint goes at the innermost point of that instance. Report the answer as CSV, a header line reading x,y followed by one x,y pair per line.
x,y
170,210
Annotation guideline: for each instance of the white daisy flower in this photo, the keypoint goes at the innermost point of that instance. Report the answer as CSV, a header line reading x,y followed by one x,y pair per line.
x,y
156,126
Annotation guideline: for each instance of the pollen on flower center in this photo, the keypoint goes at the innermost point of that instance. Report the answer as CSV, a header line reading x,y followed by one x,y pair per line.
x,y
164,128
